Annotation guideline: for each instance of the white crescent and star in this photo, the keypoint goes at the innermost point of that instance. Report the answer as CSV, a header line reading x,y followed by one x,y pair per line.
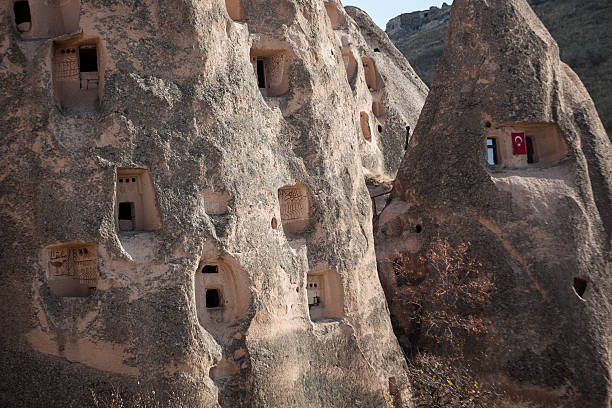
x,y
518,140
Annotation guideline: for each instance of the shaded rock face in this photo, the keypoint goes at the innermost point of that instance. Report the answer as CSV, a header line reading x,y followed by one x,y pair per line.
x,y
538,221
580,27
183,206
397,100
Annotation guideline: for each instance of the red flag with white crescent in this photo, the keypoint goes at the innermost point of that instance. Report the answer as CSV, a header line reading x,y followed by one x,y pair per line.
x,y
518,143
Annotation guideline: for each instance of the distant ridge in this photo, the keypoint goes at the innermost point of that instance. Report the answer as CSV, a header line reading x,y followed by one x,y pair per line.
x,y
581,28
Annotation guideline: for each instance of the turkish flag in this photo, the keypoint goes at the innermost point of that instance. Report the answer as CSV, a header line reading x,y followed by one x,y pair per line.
x,y
518,143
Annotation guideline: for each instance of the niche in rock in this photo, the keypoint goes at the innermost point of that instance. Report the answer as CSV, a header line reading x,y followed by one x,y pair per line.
x,y
364,120
379,111
271,69
295,208
580,286
221,296
520,145
334,14
135,200
72,269
37,19
350,63
236,10
77,74
23,18
325,295
369,70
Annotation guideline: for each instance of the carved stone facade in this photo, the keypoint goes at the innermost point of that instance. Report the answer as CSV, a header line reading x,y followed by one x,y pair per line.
x,y
295,208
72,269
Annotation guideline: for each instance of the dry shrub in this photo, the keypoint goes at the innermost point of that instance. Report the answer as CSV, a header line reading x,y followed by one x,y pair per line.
x,y
444,292
444,383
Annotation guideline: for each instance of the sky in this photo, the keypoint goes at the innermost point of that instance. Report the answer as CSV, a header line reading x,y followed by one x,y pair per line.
x,y
382,11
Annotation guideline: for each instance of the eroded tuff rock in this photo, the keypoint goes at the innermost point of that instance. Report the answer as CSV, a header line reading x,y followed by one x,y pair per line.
x,y
183,204
539,222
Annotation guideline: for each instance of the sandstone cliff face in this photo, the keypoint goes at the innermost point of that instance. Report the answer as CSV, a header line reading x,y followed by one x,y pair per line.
x,y
183,205
540,222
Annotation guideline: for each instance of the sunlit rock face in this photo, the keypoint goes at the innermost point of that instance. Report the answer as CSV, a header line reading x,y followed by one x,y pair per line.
x,y
510,155
183,204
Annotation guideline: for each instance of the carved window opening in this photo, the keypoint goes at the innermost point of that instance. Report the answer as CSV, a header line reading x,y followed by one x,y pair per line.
x,y
350,64
314,295
88,58
379,111
364,121
325,295
261,73
369,70
72,269
380,129
46,19
210,269
76,74
135,197
23,18
580,286
271,68
213,298
407,138
236,10
295,208
492,151
126,216
335,16
531,158
221,292
543,144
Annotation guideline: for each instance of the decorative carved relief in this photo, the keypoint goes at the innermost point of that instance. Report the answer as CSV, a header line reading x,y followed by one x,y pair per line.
x,y
72,269
66,64
294,208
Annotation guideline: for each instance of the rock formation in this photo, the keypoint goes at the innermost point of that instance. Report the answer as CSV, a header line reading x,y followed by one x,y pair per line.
x,y
510,155
183,204
580,27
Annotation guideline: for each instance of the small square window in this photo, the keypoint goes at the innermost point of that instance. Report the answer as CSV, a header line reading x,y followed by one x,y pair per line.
x,y
210,269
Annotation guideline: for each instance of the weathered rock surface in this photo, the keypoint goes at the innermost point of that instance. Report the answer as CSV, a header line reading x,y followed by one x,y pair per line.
x,y
580,27
167,226
539,222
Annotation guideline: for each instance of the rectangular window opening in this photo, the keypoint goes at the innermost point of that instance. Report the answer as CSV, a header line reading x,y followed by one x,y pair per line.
x,y
530,152
213,299
492,151
126,211
210,269
261,73
22,12
88,59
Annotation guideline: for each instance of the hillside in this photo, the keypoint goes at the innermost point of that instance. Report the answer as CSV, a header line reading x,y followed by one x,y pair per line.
x,y
580,28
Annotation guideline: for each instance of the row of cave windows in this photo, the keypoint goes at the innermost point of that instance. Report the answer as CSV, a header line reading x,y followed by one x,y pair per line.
x,y
23,15
76,64
136,209
72,271
77,81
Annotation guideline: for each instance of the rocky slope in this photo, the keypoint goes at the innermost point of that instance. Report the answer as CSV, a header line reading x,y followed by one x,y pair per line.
x,y
183,204
580,27
509,155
